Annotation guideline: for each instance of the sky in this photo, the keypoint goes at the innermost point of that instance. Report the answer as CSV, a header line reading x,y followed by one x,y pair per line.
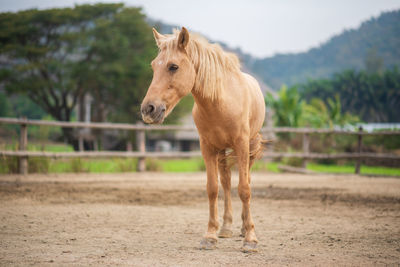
x,y
260,28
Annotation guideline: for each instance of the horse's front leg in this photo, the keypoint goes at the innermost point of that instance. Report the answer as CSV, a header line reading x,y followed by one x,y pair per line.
x,y
225,177
243,158
209,240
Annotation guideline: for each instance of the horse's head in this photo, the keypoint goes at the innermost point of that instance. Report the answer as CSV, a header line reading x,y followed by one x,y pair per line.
x,y
173,78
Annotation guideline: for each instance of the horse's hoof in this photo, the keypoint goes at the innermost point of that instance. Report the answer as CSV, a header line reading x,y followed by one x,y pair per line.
x,y
242,232
208,243
249,247
225,233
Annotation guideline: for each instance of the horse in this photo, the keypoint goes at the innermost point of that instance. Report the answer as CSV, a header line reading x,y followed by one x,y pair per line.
x,y
228,112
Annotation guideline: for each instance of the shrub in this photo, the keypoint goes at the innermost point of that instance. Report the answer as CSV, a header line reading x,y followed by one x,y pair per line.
x,y
38,165
128,165
78,166
153,165
9,165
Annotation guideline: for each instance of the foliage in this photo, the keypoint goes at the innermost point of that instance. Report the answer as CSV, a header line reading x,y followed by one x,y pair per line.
x,y
381,143
9,165
369,170
374,45
291,111
77,165
265,166
35,165
4,106
287,107
19,106
38,165
373,62
317,114
119,73
295,162
373,97
93,165
38,147
43,51
56,56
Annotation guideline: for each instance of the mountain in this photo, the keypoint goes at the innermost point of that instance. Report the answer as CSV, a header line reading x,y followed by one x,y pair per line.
x,y
376,42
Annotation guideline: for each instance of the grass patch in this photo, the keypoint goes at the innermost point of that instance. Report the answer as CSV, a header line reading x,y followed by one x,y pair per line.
x,y
42,165
265,166
375,170
39,147
93,165
183,165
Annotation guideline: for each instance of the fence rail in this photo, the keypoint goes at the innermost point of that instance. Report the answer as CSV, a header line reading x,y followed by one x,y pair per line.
x,y
141,154
126,126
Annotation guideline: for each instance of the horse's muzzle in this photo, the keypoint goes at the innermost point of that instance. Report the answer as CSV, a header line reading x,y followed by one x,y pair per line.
x,y
153,113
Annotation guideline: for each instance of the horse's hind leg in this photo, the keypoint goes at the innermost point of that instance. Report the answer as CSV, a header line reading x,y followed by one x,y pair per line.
x,y
255,148
225,176
243,230
243,157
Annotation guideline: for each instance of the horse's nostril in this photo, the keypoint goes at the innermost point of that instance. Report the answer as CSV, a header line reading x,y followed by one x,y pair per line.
x,y
148,109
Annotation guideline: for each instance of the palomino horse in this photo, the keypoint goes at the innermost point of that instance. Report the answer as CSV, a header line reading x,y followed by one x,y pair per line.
x,y
228,112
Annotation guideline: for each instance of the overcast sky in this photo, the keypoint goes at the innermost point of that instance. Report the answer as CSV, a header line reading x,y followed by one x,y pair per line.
x,y
261,28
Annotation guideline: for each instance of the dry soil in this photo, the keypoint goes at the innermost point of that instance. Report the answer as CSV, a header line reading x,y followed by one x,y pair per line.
x,y
157,219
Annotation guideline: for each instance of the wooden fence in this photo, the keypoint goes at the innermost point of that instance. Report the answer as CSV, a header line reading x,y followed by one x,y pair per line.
x,y
142,154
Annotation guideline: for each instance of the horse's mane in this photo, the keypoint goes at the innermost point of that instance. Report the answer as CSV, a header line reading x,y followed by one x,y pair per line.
x,y
212,63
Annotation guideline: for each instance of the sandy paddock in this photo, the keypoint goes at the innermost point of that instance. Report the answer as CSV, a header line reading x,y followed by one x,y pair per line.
x,y
157,219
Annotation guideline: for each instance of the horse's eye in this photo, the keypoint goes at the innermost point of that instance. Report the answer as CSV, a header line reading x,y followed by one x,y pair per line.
x,y
173,67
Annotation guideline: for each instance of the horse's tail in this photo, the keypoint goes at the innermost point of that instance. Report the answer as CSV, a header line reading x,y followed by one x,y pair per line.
x,y
257,146
256,149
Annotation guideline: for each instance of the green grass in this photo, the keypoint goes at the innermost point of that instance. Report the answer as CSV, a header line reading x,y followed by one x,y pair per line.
x,y
39,147
262,166
182,165
375,170
93,165
169,165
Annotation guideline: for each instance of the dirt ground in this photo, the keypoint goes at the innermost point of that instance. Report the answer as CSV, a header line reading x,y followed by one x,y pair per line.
x,y
157,219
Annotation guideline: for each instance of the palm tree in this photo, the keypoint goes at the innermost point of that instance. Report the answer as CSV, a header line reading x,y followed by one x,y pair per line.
x,y
287,107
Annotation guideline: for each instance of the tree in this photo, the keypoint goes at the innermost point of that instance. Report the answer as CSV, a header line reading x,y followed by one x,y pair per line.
x,y
317,114
43,53
373,63
56,56
288,107
373,97
120,72
291,111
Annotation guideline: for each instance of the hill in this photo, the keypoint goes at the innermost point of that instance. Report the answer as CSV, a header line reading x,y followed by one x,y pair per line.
x,y
376,41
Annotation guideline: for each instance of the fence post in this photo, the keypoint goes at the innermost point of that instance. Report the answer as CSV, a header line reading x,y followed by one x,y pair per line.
x,y
23,143
129,147
81,142
141,147
96,144
359,146
306,147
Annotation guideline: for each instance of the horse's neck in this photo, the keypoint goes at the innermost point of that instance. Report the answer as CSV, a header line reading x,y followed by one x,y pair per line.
x,y
204,105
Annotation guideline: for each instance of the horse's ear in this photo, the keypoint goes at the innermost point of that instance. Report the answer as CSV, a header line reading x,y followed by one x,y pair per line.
x,y
158,37
183,38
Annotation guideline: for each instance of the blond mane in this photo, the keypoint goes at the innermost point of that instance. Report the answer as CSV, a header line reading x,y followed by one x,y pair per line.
x,y
213,65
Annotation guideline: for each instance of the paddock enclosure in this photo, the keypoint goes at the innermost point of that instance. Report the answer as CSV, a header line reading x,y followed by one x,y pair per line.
x,y
157,219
